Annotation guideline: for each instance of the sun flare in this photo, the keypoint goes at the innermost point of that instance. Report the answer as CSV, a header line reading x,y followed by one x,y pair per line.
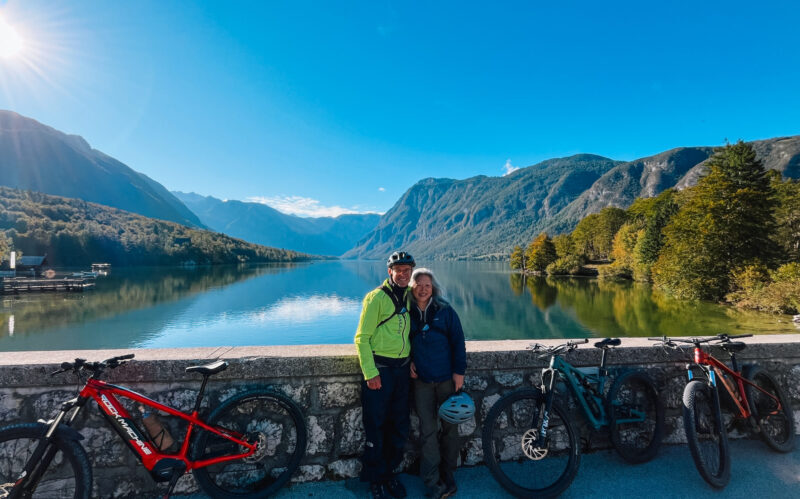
x,y
11,43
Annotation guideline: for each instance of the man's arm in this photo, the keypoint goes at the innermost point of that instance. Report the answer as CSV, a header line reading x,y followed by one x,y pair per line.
x,y
366,328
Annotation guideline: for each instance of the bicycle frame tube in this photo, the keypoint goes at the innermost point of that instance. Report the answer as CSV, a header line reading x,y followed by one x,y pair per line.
x,y
104,394
738,393
575,379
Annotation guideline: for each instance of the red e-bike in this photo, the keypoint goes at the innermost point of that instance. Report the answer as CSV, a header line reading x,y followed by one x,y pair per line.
x,y
248,446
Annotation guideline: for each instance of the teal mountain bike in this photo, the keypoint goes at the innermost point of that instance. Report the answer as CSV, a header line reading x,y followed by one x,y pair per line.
x,y
531,445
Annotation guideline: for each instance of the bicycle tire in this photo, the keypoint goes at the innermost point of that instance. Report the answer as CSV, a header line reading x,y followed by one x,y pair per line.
x,y
776,429
69,474
508,424
705,433
631,394
268,416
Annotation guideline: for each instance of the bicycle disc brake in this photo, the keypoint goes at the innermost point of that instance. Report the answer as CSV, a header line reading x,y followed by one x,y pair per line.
x,y
260,439
530,445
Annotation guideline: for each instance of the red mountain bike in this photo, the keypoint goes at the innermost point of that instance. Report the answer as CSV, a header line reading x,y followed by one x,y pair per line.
x,y
249,446
757,400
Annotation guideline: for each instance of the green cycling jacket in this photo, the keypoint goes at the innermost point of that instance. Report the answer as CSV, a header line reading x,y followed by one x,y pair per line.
x,y
388,340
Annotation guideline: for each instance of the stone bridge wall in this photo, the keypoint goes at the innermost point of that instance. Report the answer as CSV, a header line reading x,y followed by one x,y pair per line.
x,y
324,381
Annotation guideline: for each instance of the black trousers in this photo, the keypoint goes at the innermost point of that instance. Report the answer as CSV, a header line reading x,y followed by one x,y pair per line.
x,y
386,423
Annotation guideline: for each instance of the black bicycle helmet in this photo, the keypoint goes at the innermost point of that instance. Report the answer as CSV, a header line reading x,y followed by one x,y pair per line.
x,y
400,258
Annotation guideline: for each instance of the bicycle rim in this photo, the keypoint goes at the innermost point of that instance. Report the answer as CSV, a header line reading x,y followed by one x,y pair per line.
x,y
705,434
774,420
522,462
271,420
637,417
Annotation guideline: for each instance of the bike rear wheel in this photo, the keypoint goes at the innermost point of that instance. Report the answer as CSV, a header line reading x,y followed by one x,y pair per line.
x,y
636,415
519,460
705,433
776,424
69,474
270,418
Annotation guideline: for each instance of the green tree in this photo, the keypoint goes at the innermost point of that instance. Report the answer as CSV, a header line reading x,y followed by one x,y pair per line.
x,y
5,246
787,216
518,258
564,245
541,253
594,235
724,224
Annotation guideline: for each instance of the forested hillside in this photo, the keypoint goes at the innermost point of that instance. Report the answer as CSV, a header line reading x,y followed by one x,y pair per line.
x,y
73,232
40,158
484,217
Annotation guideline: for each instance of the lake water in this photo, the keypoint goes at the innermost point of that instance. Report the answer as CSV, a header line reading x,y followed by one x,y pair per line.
x,y
319,302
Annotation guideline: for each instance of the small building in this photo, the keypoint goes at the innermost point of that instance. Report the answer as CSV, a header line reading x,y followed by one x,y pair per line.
x,y
31,265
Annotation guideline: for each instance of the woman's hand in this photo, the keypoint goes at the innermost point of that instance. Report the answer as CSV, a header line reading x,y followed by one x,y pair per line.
x,y
374,383
413,371
458,380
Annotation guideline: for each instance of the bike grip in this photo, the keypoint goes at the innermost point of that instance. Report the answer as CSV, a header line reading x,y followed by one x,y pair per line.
x,y
66,365
740,336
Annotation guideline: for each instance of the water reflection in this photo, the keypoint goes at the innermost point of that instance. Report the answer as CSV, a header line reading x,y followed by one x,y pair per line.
x,y
320,302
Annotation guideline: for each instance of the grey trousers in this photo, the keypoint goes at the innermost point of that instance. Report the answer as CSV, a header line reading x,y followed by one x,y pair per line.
x,y
439,449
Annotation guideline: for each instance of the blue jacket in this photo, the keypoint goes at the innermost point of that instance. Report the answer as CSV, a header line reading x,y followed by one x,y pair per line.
x,y
439,351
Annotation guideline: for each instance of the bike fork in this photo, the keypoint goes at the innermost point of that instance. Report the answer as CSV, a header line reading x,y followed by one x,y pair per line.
x,y
43,454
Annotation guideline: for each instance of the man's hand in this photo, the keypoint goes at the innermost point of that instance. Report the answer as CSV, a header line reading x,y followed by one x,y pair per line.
x,y
458,380
374,383
413,371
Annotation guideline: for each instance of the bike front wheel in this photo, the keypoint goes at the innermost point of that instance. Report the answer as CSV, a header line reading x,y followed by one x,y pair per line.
x,y
772,410
522,461
705,433
69,474
270,419
636,415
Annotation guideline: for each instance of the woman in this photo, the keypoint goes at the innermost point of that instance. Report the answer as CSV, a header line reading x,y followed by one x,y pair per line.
x,y
439,360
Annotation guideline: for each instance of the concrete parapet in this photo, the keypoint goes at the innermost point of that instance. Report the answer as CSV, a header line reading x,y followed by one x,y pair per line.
x,y
324,381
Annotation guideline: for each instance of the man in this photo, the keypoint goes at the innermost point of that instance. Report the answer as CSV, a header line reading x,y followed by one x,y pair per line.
x,y
383,352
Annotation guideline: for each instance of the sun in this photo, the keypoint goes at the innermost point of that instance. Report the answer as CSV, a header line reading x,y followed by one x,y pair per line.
x,y
11,43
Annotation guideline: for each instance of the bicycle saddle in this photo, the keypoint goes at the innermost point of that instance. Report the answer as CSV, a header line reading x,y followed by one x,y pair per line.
x,y
608,342
734,346
208,369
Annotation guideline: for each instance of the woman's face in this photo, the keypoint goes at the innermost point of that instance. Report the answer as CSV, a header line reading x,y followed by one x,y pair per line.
x,y
422,289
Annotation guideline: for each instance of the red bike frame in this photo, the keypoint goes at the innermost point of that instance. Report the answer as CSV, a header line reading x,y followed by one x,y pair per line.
x,y
104,394
740,399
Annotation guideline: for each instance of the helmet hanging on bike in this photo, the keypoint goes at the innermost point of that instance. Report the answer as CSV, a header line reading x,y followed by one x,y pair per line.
x,y
458,408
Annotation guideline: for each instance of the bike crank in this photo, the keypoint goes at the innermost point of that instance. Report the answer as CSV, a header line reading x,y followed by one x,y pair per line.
x,y
530,445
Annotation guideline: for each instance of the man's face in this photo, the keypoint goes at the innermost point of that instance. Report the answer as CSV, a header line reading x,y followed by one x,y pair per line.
x,y
401,274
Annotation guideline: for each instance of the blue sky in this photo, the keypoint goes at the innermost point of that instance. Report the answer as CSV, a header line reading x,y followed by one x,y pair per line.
x,y
325,107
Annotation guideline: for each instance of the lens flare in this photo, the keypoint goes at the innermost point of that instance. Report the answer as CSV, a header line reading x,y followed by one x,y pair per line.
x,y
10,42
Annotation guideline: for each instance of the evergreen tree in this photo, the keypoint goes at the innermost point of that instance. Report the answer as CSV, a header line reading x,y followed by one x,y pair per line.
x,y
725,223
787,216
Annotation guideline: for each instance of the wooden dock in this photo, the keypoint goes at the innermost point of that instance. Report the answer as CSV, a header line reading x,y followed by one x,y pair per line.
x,y
15,285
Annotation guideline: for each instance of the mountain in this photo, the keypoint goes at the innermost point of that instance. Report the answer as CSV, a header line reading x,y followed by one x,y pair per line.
x,y
73,232
480,216
37,157
643,177
261,224
781,154
484,217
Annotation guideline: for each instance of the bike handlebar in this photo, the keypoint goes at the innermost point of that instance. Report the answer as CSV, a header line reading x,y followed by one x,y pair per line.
x,y
564,347
95,367
721,338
